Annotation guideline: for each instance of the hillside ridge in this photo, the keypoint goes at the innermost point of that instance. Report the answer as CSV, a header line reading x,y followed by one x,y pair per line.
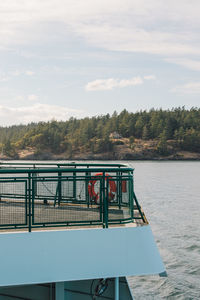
x,y
153,134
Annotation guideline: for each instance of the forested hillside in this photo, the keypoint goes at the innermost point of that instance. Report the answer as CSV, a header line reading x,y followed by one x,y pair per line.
x,y
155,132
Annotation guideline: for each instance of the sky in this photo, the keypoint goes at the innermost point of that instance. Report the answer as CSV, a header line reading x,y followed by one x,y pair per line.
x,y
75,58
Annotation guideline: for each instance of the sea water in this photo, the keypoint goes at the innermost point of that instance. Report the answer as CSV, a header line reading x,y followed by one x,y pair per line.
x,y
169,193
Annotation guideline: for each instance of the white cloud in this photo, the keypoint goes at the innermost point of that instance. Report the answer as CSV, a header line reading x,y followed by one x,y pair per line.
x,y
35,113
3,78
135,39
101,84
111,83
153,26
32,97
185,62
18,73
150,77
15,73
188,88
19,98
7,76
29,73
130,82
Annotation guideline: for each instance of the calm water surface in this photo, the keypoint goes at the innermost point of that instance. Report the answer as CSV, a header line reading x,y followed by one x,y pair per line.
x,y
169,193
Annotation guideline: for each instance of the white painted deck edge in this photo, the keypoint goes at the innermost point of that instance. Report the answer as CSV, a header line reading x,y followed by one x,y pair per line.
x,y
55,256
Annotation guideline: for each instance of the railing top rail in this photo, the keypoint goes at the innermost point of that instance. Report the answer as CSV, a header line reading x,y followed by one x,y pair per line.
x,y
53,196
64,170
74,164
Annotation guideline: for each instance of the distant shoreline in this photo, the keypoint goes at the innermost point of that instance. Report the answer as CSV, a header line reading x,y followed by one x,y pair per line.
x,y
98,159
121,150
157,135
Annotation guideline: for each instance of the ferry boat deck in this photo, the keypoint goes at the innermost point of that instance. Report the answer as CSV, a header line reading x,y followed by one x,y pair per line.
x,y
72,231
39,196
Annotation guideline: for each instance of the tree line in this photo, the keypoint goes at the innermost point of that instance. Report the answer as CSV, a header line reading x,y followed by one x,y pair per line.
x,y
93,134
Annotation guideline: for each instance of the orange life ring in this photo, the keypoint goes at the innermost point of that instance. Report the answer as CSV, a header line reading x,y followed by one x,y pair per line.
x,y
95,196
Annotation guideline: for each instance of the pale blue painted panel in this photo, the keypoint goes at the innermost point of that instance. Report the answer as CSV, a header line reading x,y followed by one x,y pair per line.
x,y
52,256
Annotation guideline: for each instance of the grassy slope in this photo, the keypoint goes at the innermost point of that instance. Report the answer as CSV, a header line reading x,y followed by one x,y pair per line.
x,y
140,149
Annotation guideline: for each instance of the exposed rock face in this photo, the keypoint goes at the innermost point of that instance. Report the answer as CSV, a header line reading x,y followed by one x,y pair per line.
x,y
145,155
122,150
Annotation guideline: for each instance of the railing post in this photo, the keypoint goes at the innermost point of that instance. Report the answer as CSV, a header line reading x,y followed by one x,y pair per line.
x,y
59,291
86,189
101,203
130,183
138,207
117,181
116,288
74,185
105,202
59,188
29,202
56,195
34,184
120,190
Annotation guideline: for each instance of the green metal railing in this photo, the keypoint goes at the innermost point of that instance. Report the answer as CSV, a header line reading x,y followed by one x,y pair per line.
x,y
51,195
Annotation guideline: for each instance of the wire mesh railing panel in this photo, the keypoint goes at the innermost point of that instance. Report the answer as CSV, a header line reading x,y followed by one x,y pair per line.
x,y
69,189
13,210
44,189
41,187
61,197
62,210
119,203
6,191
65,214
79,188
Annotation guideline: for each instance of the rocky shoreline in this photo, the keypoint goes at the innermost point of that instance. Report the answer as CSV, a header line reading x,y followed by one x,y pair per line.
x,y
122,150
178,156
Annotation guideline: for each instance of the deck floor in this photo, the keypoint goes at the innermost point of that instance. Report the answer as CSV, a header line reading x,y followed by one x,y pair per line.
x,y
14,213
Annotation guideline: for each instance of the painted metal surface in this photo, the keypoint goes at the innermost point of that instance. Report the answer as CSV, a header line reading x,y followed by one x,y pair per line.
x,y
37,199
27,292
53,256
60,291
116,288
69,290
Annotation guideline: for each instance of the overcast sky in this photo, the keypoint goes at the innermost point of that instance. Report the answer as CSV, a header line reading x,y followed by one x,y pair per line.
x,y
63,58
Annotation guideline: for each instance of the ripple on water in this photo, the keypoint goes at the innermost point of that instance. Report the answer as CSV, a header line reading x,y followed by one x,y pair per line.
x,y
193,247
170,199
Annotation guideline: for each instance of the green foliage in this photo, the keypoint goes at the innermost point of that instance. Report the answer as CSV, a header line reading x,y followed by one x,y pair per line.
x,y
161,146
146,133
92,134
118,142
101,145
191,140
9,149
131,140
